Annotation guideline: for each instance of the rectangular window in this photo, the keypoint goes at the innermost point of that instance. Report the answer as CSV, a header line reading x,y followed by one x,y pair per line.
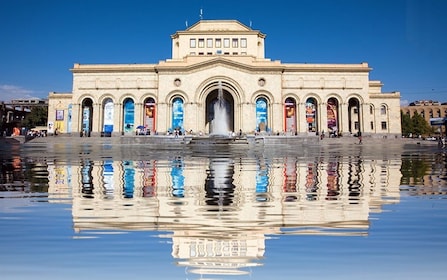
x,y
219,52
200,53
209,53
235,43
226,43
372,125
383,125
192,43
201,43
243,53
218,43
234,53
243,42
209,43
226,53
356,125
192,53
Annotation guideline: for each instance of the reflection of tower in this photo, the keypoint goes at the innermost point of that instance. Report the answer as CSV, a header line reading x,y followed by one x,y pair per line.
x,y
212,254
219,185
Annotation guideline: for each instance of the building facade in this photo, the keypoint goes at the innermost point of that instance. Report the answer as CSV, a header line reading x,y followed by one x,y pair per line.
x,y
218,75
431,111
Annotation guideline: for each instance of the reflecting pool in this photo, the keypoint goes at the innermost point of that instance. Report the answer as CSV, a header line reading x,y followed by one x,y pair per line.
x,y
100,211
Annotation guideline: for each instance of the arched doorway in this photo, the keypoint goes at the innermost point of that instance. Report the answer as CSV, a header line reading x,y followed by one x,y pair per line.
x,y
311,115
87,117
354,115
219,111
290,115
128,116
332,116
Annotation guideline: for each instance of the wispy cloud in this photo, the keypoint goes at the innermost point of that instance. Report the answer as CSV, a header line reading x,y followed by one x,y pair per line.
x,y
9,92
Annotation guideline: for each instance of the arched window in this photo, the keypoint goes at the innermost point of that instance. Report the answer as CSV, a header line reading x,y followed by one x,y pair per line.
x,y
129,115
177,114
383,110
261,114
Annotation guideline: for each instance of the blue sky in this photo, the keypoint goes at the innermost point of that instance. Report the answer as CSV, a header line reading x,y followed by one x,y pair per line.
x,y
404,41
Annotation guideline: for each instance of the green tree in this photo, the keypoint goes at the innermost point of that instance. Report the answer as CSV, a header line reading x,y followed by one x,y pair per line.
x,y
37,117
415,125
407,125
420,125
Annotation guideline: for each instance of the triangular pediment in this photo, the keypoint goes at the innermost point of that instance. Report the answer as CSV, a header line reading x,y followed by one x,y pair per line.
x,y
218,25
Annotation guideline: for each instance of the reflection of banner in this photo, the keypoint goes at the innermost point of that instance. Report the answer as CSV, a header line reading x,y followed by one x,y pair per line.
x,y
290,178
262,178
108,116
129,179
177,114
261,112
178,180
108,176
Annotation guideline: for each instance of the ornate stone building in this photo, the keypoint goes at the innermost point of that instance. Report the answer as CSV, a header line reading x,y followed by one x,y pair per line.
x,y
222,62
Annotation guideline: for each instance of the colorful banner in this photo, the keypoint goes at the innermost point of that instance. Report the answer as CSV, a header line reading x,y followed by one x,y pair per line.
x,y
108,116
261,114
177,114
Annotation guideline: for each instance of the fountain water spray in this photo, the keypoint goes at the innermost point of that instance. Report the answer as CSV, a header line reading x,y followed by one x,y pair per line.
x,y
220,121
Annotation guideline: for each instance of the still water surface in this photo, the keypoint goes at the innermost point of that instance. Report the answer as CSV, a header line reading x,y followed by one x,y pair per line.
x,y
100,211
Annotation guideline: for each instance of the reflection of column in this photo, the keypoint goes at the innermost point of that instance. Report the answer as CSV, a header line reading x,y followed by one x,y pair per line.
x,y
219,185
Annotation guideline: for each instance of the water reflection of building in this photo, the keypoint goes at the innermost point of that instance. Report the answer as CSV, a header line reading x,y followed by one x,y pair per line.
x,y
220,210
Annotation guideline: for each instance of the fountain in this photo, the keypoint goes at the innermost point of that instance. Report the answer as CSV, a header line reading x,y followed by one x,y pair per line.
x,y
220,138
219,125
